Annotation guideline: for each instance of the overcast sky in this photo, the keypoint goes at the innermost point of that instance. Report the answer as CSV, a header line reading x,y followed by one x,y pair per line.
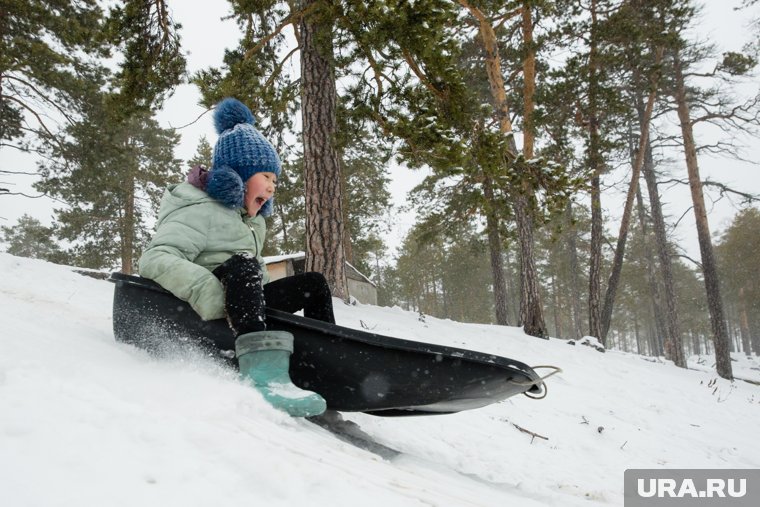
x,y
205,36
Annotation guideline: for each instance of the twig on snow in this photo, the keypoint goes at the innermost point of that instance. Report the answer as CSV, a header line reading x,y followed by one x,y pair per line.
x,y
532,434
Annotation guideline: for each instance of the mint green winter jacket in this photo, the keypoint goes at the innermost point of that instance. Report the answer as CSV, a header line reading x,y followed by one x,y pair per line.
x,y
195,234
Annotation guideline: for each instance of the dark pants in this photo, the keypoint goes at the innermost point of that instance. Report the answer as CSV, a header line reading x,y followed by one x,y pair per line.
x,y
308,292
246,299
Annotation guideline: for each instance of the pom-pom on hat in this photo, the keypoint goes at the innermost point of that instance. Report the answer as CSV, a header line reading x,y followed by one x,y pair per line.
x,y
240,152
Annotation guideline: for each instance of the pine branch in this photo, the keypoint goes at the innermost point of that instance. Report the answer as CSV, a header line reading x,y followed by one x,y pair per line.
x,y
163,20
5,171
734,114
377,73
682,216
722,188
703,74
192,122
495,76
292,18
278,68
499,21
41,95
33,112
695,262
296,29
421,75
476,13
5,191
724,148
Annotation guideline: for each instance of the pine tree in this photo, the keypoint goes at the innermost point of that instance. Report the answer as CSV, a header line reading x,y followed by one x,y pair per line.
x,y
642,57
47,65
599,106
560,247
115,159
436,84
365,158
446,275
204,154
739,269
29,238
709,267
111,172
153,65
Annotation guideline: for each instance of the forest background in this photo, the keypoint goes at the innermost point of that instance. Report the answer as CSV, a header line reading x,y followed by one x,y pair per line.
x,y
525,126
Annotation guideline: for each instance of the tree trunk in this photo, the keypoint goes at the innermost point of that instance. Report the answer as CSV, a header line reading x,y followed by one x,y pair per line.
x,y
654,290
513,309
284,229
652,341
672,327
709,266
617,264
744,323
498,92
529,82
530,302
322,171
445,299
555,310
754,333
637,334
575,284
596,164
495,250
531,311
729,312
625,221
128,227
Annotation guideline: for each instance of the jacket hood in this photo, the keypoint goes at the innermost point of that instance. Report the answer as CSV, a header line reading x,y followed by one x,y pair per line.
x,y
180,196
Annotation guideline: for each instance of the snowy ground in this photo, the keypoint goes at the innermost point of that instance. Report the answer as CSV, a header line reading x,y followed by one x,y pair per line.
x,y
88,421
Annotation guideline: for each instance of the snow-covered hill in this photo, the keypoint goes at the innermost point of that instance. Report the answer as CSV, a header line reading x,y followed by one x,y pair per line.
x,y
86,421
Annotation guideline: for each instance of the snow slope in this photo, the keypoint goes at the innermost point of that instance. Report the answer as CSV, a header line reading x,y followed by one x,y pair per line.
x,y
88,421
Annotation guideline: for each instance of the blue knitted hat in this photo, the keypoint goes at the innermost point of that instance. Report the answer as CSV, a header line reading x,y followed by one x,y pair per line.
x,y
240,152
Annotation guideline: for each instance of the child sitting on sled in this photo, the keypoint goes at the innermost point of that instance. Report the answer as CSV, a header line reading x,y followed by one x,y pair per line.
x,y
207,251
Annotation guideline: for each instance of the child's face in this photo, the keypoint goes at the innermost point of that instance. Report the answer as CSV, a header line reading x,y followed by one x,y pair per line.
x,y
258,189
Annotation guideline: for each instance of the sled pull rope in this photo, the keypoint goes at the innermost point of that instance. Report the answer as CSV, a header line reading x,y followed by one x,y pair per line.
x,y
539,382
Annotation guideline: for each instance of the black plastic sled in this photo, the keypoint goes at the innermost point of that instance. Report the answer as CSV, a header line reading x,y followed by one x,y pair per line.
x,y
354,371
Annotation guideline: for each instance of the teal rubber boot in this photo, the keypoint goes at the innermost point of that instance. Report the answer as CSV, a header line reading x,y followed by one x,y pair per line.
x,y
264,359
